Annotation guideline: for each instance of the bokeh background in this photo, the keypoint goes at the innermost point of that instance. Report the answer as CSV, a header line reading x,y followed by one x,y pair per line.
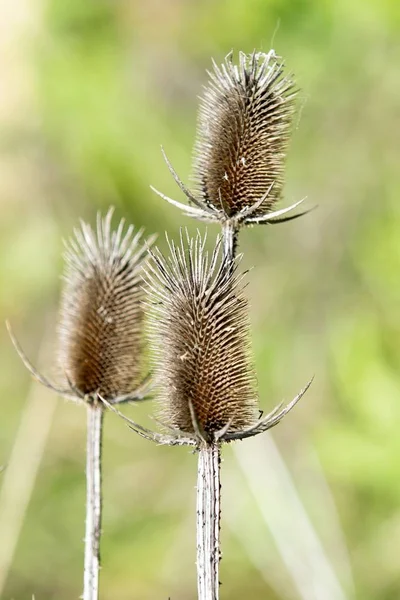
x,y
88,93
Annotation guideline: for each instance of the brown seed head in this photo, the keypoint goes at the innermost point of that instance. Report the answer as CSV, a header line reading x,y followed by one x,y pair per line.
x,y
200,333
101,317
244,126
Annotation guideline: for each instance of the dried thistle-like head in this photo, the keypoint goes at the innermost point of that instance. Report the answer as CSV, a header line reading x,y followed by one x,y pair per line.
x,y
244,127
101,317
200,335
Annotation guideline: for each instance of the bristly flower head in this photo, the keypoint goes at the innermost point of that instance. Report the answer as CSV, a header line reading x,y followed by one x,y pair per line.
x,y
101,316
243,132
200,333
244,127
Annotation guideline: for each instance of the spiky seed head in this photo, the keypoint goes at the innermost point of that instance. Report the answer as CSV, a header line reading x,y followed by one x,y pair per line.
x,y
200,334
244,125
101,316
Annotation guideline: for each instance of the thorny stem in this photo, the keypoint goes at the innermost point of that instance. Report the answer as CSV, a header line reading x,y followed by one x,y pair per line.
x,y
230,235
208,521
93,501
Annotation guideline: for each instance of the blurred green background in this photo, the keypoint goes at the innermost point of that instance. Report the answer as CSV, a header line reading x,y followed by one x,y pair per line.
x,y
89,91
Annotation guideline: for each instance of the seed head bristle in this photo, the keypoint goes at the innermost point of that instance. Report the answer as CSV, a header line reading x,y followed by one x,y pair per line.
x,y
200,333
101,316
244,126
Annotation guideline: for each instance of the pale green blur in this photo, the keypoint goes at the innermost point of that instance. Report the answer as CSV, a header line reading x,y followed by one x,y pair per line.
x,y
90,91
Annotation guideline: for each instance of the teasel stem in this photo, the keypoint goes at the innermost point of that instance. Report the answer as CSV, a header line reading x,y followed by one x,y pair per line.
x,y
208,521
230,235
95,414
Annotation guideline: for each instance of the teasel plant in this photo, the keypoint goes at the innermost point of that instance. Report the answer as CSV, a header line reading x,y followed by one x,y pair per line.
x,y
204,377
100,348
244,127
204,373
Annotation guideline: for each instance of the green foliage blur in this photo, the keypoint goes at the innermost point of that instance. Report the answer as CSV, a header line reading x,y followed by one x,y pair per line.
x,y
90,91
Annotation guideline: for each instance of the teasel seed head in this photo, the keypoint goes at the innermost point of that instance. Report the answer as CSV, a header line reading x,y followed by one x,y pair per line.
x,y
200,336
244,128
101,315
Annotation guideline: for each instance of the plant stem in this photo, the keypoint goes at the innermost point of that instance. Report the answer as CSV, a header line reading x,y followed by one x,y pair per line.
x,y
230,234
208,521
93,502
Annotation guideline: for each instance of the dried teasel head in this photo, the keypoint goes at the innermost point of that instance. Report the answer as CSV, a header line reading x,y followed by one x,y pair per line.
x,y
101,316
199,334
200,337
244,127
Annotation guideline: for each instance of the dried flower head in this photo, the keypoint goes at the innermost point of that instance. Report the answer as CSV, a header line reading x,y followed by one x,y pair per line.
x,y
200,333
244,127
101,316
201,355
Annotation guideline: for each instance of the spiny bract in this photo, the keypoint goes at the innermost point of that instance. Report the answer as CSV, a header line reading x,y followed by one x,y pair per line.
x,y
244,126
101,317
200,333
